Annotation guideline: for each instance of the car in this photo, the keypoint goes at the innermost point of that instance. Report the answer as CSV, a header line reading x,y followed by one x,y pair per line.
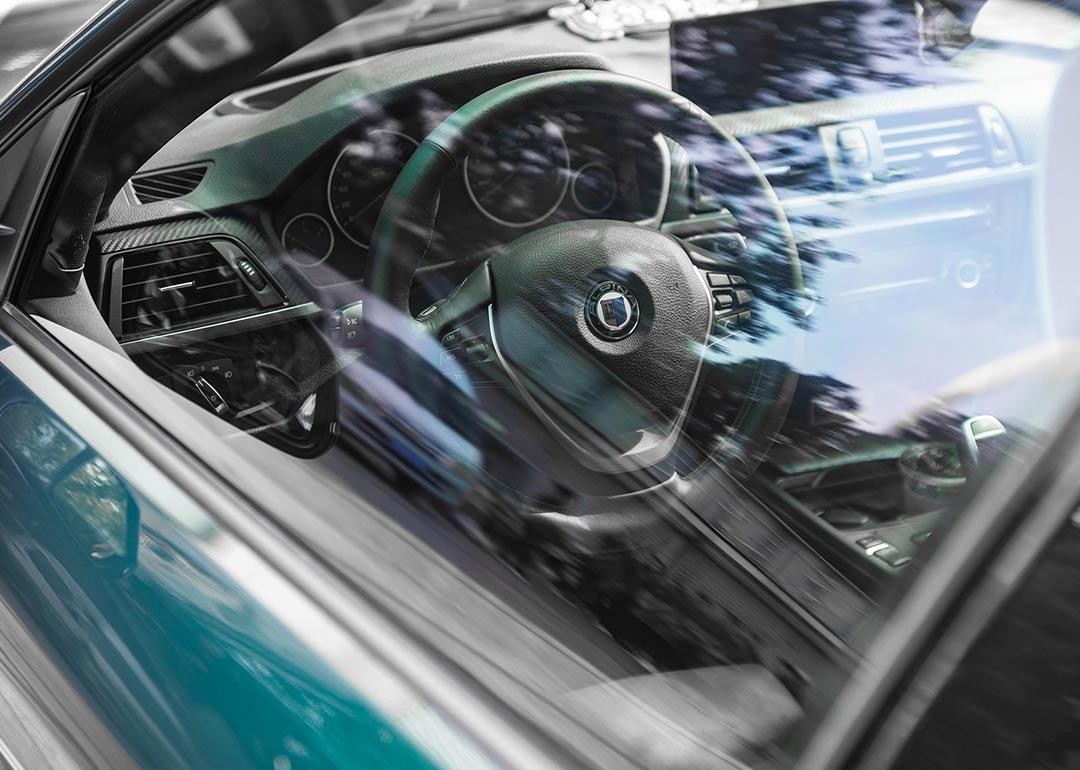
x,y
525,384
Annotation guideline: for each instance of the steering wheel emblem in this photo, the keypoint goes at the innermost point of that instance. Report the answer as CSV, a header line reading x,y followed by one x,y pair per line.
x,y
611,311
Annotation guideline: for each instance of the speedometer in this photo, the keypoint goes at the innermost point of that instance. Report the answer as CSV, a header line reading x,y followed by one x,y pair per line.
x,y
362,176
517,175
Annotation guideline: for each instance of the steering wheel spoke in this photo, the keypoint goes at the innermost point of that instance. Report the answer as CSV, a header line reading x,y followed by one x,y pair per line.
x,y
471,297
462,325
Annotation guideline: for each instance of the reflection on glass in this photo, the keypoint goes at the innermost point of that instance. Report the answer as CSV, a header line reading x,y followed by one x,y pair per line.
x,y
43,443
798,54
95,503
825,327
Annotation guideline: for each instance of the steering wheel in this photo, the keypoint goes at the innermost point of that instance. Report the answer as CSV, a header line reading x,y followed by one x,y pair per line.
x,y
602,330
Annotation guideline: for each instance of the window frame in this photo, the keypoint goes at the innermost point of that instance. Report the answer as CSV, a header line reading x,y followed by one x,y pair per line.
x,y
983,561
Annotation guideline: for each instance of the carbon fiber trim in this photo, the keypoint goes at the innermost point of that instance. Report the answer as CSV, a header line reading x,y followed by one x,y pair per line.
x,y
203,226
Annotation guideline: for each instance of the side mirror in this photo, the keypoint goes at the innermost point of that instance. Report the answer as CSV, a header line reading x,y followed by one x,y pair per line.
x,y
101,511
97,510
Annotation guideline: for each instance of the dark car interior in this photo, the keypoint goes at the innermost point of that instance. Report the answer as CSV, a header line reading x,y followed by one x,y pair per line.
x,y
406,260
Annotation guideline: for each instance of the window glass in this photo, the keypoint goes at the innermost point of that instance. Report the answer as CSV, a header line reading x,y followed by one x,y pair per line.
x,y
639,365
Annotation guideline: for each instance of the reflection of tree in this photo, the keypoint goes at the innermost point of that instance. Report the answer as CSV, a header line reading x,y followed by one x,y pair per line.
x,y
95,502
937,425
779,277
38,439
793,56
88,494
823,415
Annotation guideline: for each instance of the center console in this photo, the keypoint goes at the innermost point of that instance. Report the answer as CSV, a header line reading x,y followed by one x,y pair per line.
x,y
883,505
877,507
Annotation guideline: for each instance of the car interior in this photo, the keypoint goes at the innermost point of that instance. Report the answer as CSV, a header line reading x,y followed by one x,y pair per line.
x,y
687,347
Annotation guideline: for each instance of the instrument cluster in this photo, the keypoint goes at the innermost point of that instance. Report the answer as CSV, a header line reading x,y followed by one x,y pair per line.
x,y
520,175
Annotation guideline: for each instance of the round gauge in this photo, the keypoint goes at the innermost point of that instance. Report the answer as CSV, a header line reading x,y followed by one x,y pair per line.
x,y
594,188
308,239
362,176
518,175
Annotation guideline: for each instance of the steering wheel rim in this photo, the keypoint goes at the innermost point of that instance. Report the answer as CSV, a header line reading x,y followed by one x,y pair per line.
x,y
405,228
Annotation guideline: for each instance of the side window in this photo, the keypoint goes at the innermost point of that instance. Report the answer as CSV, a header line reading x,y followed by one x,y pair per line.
x,y
86,492
1015,700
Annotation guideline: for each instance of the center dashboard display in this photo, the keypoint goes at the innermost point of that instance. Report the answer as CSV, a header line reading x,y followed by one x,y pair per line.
x,y
797,54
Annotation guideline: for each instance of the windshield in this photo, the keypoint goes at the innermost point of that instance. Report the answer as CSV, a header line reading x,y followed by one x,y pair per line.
x,y
639,359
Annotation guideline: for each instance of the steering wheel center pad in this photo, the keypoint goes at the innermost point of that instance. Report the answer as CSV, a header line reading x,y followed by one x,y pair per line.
x,y
632,392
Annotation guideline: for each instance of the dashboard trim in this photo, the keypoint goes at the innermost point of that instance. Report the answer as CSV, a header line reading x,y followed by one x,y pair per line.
x,y
816,234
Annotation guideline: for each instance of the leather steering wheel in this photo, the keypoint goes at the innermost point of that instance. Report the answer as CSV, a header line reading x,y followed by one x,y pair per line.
x,y
600,328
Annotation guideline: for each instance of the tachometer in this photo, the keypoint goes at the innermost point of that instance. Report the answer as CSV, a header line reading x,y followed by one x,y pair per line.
x,y
517,176
362,176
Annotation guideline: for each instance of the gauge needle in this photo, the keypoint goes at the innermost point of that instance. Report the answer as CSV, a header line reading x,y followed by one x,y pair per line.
x,y
494,189
377,201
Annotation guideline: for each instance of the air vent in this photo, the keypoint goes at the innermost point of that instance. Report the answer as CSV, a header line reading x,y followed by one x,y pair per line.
x,y
162,290
167,185
930,144
794,162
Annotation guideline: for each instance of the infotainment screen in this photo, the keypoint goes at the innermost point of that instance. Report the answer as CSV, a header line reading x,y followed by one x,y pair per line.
x,y
800,53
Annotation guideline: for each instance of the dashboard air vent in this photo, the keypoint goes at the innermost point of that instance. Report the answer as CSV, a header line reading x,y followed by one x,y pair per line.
x,y
167,185
793,161
161,290
929,144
